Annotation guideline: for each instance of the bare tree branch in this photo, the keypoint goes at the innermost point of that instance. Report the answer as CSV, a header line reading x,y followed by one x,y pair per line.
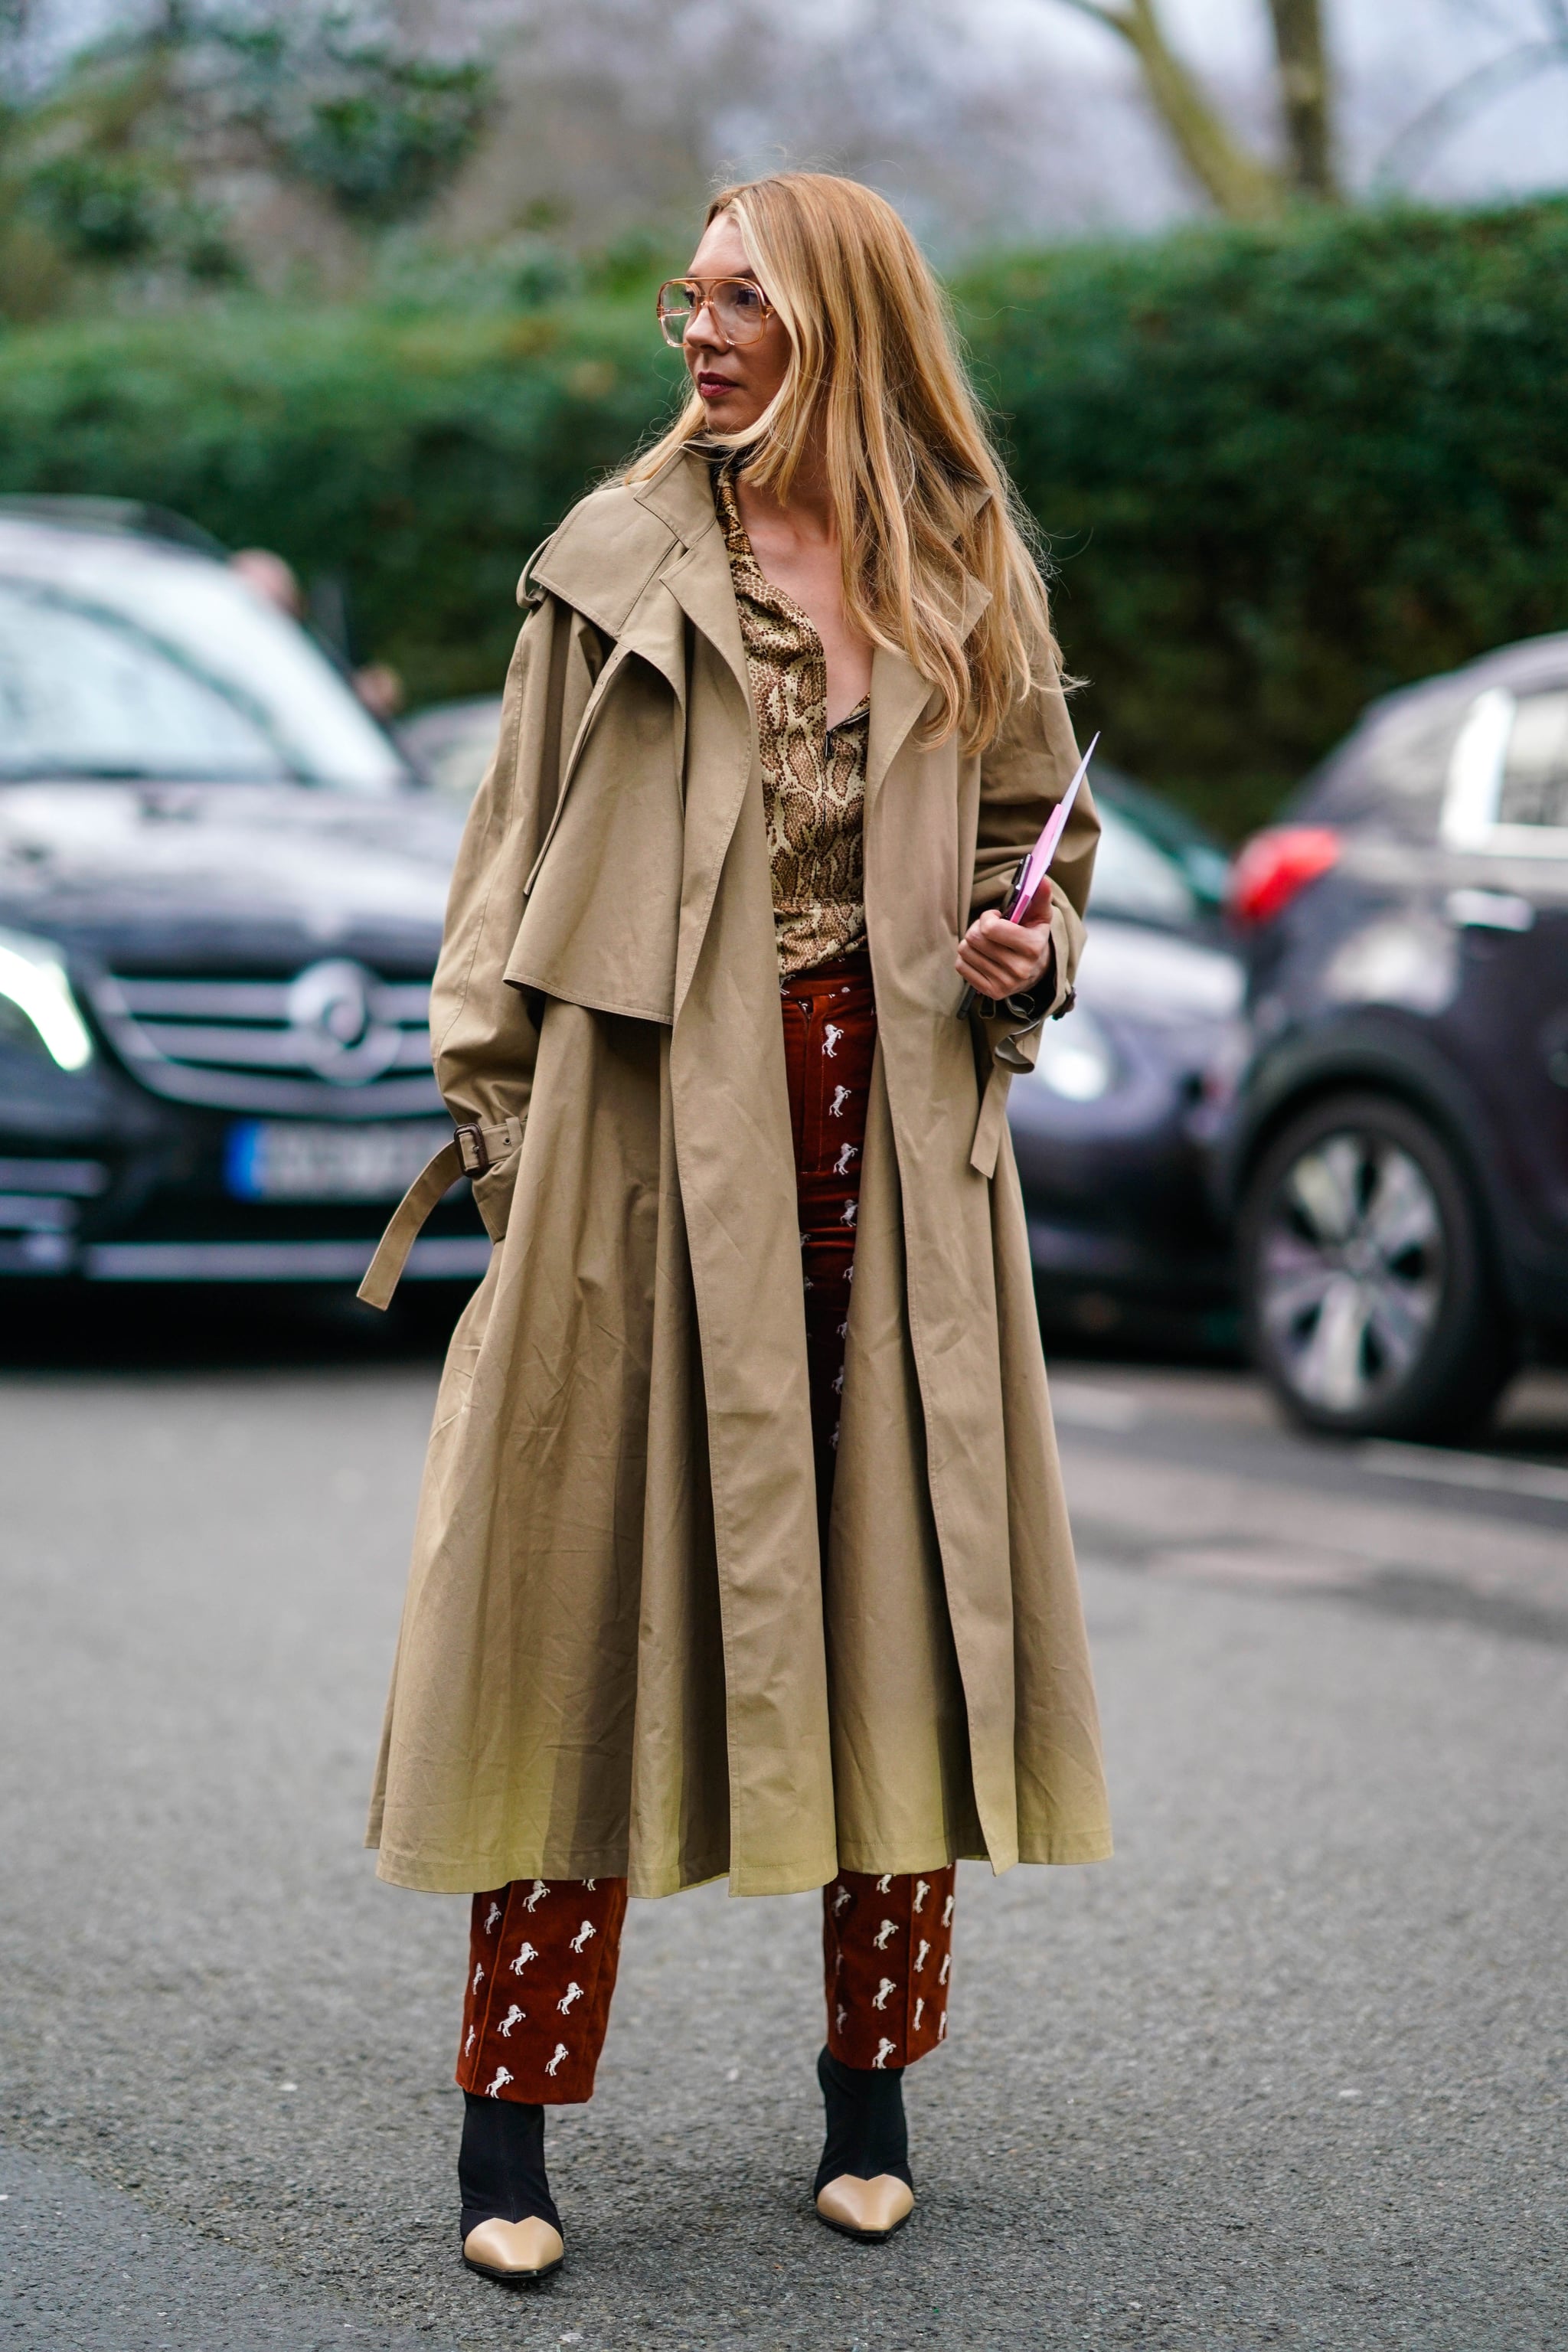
x,y
1421,138
1241,186
1305,96
1114,17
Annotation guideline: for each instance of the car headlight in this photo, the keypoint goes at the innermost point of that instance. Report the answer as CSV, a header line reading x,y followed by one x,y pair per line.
x,y
1077,1059
34,981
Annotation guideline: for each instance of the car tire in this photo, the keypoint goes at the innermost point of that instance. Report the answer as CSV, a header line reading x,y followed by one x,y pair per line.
x,y
1367,1285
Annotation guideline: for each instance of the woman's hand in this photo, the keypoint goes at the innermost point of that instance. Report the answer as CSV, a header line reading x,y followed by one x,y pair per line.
x,y
1001,958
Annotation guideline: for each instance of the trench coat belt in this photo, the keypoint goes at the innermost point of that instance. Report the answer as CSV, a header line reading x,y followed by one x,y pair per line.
x,y
1016,1050
471,1151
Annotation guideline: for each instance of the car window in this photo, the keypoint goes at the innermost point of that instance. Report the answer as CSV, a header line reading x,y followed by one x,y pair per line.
x,y
1135,878
83,692
1507,787
1391,769
1535,764
454,743
118,657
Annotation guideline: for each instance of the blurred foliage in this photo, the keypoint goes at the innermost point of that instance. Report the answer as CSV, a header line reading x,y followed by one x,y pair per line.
x,y
378,129
418,455
133,173
92,188
1281,469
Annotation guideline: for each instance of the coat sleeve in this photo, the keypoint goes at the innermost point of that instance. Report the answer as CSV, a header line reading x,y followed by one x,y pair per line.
x,y
1023,775
483,1037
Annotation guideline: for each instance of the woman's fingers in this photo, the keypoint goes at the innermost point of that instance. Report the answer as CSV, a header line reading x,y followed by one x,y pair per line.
x,y
1001,959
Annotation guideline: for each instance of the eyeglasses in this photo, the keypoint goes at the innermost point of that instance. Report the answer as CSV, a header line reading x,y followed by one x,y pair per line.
x,y
739,310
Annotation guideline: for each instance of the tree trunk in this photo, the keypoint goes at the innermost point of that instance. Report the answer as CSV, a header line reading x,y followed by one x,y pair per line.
x,y
1240,185
1305,98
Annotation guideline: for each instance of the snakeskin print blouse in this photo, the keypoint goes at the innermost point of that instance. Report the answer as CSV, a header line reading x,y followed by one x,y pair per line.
x,y
814,775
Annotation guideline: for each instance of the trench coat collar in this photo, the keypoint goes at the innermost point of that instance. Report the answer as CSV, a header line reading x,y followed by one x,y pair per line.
x,y
697,574
607,574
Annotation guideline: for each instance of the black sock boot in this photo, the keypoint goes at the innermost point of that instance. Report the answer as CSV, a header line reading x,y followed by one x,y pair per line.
x,y
500,2166
866,2135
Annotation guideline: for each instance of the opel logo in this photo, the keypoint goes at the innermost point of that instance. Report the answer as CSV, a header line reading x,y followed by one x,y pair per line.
x,y
333,1026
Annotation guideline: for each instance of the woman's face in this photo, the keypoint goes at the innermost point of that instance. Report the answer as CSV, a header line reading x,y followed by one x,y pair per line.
x,y
734,381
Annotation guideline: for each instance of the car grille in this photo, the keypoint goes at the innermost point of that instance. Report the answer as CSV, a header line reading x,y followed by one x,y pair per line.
x,y
334,1041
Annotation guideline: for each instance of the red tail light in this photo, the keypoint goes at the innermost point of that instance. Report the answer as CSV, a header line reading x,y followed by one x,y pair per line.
x,y
1275,866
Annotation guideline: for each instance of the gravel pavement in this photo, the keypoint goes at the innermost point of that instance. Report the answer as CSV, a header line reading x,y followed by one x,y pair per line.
x,y
1288,2071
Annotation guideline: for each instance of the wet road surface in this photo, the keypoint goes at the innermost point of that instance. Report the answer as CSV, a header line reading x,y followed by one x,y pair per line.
x,y
1289,2070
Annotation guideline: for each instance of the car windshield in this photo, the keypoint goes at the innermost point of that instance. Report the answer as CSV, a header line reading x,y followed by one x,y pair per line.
x,y
121,659
1135,877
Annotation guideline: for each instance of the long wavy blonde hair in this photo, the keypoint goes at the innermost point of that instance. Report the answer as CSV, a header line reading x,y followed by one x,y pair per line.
x,y
876,384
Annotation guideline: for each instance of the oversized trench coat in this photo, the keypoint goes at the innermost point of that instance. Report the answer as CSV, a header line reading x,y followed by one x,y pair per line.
x,y
621,1653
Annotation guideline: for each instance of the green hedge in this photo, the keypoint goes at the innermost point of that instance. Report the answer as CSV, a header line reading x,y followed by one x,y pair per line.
x,y
1281,469
1286,469
419,457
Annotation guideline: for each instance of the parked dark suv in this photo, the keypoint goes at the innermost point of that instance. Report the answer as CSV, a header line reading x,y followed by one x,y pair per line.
x,y
1399,1153
221,898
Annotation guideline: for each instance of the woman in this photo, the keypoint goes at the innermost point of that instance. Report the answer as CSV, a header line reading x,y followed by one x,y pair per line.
x,y
741,1548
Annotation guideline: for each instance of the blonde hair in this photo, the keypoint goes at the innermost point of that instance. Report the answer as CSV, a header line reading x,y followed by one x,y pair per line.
x,y
920,497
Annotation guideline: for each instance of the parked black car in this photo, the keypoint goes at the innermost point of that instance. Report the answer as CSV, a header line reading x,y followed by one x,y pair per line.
x,y
1398,1158
221,898
1111,1130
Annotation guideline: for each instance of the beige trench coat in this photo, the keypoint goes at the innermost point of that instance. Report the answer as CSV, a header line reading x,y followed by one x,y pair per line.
x,y
621,1652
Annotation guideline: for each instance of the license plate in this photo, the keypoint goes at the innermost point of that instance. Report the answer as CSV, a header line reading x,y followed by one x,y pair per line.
x,y
291,1159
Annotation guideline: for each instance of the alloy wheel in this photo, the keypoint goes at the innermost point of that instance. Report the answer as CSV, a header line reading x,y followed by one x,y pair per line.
x,y
1351,1272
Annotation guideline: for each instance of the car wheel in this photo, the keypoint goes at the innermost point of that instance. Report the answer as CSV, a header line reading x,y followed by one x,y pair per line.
x,y
1369,1296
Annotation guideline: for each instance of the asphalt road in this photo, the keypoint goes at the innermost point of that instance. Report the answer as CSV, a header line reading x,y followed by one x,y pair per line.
x,y
1289,2071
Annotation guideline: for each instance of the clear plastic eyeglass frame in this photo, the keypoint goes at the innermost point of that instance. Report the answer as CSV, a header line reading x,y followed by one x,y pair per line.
x,y
738,308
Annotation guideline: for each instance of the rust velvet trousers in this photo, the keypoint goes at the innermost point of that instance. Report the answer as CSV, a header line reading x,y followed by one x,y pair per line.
x,y
542,1953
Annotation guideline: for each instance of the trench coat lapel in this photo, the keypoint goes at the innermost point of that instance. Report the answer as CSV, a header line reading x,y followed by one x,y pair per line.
x,y
720,747
900,695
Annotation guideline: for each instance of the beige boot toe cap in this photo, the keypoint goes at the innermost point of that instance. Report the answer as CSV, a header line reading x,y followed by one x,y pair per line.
x,y
866,2208
514,2250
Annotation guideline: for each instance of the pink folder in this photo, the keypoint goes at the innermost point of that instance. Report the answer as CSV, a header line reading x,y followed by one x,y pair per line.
x,y
1037,864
